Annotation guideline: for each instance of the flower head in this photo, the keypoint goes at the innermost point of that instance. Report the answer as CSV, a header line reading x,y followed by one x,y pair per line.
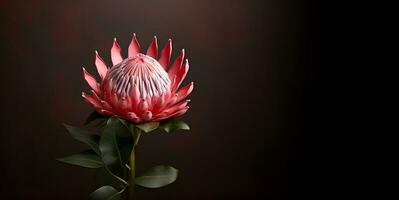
x,y
140,88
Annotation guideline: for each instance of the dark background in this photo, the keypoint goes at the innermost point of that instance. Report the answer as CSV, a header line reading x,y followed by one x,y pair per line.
x,y
251,108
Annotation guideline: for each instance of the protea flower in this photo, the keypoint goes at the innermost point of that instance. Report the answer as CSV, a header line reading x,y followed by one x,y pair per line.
x,y
140,88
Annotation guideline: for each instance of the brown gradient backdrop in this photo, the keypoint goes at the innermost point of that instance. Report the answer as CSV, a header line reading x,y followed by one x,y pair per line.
x,y
249,62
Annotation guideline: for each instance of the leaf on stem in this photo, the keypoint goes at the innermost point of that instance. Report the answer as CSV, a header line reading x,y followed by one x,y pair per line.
x,y
85,137
174,124
109,144
116,143
158,176
105,193
148,127
87,159
96,120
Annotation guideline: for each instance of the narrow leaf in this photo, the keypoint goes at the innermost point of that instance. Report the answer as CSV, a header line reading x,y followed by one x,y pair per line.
x,y
87,159
116,143
130,126
105,193
85,137
174,124
99,123
96,120
157,177
148,127
93,117
124,122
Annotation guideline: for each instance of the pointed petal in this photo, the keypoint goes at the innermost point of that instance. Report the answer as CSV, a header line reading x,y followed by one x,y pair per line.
x,y
153,48
101,66
123,105
180,112
155,100
134,47
176,65
160,102
172,100
116,55
149,103
165,54
180,76
184,91
177,107
143,106
91,81
107,89
97,98
114,101
106,112
91,100
134,96
106,106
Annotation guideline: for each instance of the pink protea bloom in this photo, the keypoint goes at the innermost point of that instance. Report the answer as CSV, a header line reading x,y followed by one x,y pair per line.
x,y
140,88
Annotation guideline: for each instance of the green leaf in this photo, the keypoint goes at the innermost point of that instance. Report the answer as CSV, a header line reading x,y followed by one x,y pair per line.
x,y
174,124
124,122
157,177
125,147
130,126
87,159
116,143
96,120
85,137
148,127
100,123
105,193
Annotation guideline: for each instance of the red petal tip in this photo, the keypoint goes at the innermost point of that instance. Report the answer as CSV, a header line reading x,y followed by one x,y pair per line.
x,y
115,43
134,46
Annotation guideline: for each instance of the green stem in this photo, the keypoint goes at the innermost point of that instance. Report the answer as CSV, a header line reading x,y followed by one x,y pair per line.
x,y
136,139
132,165
131,175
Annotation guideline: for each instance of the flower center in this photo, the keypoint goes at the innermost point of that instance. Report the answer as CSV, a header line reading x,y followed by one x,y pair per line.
x,y
142,71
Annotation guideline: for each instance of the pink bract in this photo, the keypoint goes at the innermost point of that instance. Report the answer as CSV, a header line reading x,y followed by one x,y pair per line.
x,y
140,88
